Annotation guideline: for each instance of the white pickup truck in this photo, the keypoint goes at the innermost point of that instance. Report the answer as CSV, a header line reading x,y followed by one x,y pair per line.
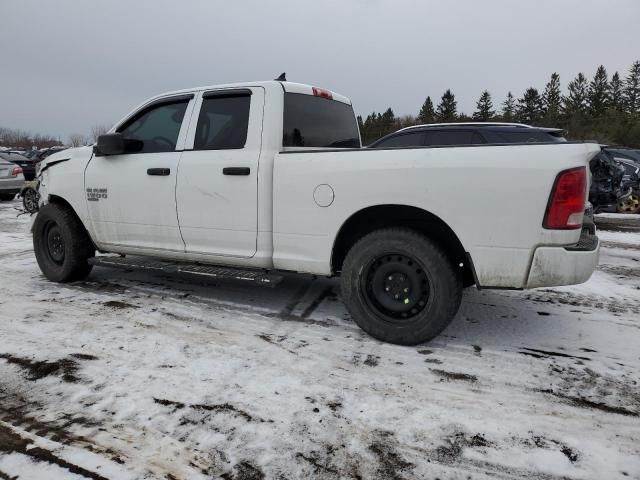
x,y
256,178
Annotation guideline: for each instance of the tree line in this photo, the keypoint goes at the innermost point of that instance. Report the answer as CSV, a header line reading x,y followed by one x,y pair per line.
x,y
601,108
22,140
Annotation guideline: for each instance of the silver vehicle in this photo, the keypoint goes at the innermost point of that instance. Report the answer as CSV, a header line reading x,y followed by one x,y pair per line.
x,y
11,180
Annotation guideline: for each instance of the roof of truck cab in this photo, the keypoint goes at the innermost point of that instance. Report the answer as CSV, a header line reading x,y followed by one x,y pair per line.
x,y
289,87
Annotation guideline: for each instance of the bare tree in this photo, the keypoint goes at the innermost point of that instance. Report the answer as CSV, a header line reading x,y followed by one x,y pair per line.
x,y
78,140
20,139
98,130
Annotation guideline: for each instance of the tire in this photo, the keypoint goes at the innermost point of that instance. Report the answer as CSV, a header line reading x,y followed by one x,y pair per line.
x,y
7,197
631,204
30,200
378,272
61,244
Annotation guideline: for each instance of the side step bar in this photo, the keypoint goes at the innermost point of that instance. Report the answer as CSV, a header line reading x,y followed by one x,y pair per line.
x,y
258,277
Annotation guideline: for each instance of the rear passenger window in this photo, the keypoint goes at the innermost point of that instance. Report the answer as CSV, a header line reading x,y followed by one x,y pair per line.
x,y
453,137
414,139
223,122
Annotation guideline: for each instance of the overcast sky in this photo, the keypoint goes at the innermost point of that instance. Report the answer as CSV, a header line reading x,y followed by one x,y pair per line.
x,y
69,64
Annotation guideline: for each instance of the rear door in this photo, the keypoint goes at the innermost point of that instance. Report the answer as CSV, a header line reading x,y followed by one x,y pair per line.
x,y
217,189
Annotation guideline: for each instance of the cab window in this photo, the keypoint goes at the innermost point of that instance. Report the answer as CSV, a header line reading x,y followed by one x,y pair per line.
x,y
223,122
155,128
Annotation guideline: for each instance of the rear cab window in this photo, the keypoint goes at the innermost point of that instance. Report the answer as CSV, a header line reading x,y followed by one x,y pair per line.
x,y
317,122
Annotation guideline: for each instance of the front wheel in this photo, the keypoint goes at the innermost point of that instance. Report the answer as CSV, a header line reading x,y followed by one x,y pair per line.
x,y
61,244
400,287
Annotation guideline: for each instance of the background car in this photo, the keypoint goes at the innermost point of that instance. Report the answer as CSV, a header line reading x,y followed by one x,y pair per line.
x,y
11,180
28,165
468,134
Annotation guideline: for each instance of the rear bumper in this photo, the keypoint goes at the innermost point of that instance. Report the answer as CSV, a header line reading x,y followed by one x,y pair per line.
x,y
570,265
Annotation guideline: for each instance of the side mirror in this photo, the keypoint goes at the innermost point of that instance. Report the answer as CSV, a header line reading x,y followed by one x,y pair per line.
x,y
110,144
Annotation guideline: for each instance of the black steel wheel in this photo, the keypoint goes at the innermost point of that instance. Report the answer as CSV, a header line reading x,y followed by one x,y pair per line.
x,y
400,286
397,286
55,243
61,244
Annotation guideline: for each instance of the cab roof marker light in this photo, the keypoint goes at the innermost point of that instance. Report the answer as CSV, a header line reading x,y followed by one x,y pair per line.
x,y
321,92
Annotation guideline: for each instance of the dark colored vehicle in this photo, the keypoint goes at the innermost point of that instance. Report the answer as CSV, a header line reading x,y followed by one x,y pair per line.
x,y
31,154
468,134
624,164
28,165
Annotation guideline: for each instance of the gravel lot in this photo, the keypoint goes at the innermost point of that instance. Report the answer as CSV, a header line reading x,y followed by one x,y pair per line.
x,y
133,375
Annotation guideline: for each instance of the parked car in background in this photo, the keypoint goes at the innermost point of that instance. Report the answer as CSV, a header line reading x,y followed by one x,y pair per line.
x,y
629,160
42,154
31,153
28,165
11,179
615,183
437,134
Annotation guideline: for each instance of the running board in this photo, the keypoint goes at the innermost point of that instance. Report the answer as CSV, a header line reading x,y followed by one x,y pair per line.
x,y
258,277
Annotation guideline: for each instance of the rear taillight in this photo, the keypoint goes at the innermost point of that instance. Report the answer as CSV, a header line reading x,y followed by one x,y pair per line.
x,y
16,171
321,92
565,209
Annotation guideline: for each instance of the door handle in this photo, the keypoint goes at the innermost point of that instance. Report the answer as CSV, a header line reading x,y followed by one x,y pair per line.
x,y
236,171
159,172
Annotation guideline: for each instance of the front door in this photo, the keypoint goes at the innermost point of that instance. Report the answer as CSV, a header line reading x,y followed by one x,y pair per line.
x,y
217,190
131,197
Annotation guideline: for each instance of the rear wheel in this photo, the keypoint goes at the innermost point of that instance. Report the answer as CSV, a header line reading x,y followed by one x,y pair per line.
x,y
400,287
61,244
6,197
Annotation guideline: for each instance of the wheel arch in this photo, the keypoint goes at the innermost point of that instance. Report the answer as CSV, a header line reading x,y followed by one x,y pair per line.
x,y
376,217
62,202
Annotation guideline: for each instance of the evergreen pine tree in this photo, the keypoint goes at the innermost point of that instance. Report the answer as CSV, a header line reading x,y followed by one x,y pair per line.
x,y
575,103
427,113
484,108
616,93
632,89
447,110
598,94
552,100
530,107
509,108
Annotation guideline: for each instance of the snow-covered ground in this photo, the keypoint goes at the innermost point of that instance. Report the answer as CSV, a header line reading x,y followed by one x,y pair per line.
x,y
133,375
